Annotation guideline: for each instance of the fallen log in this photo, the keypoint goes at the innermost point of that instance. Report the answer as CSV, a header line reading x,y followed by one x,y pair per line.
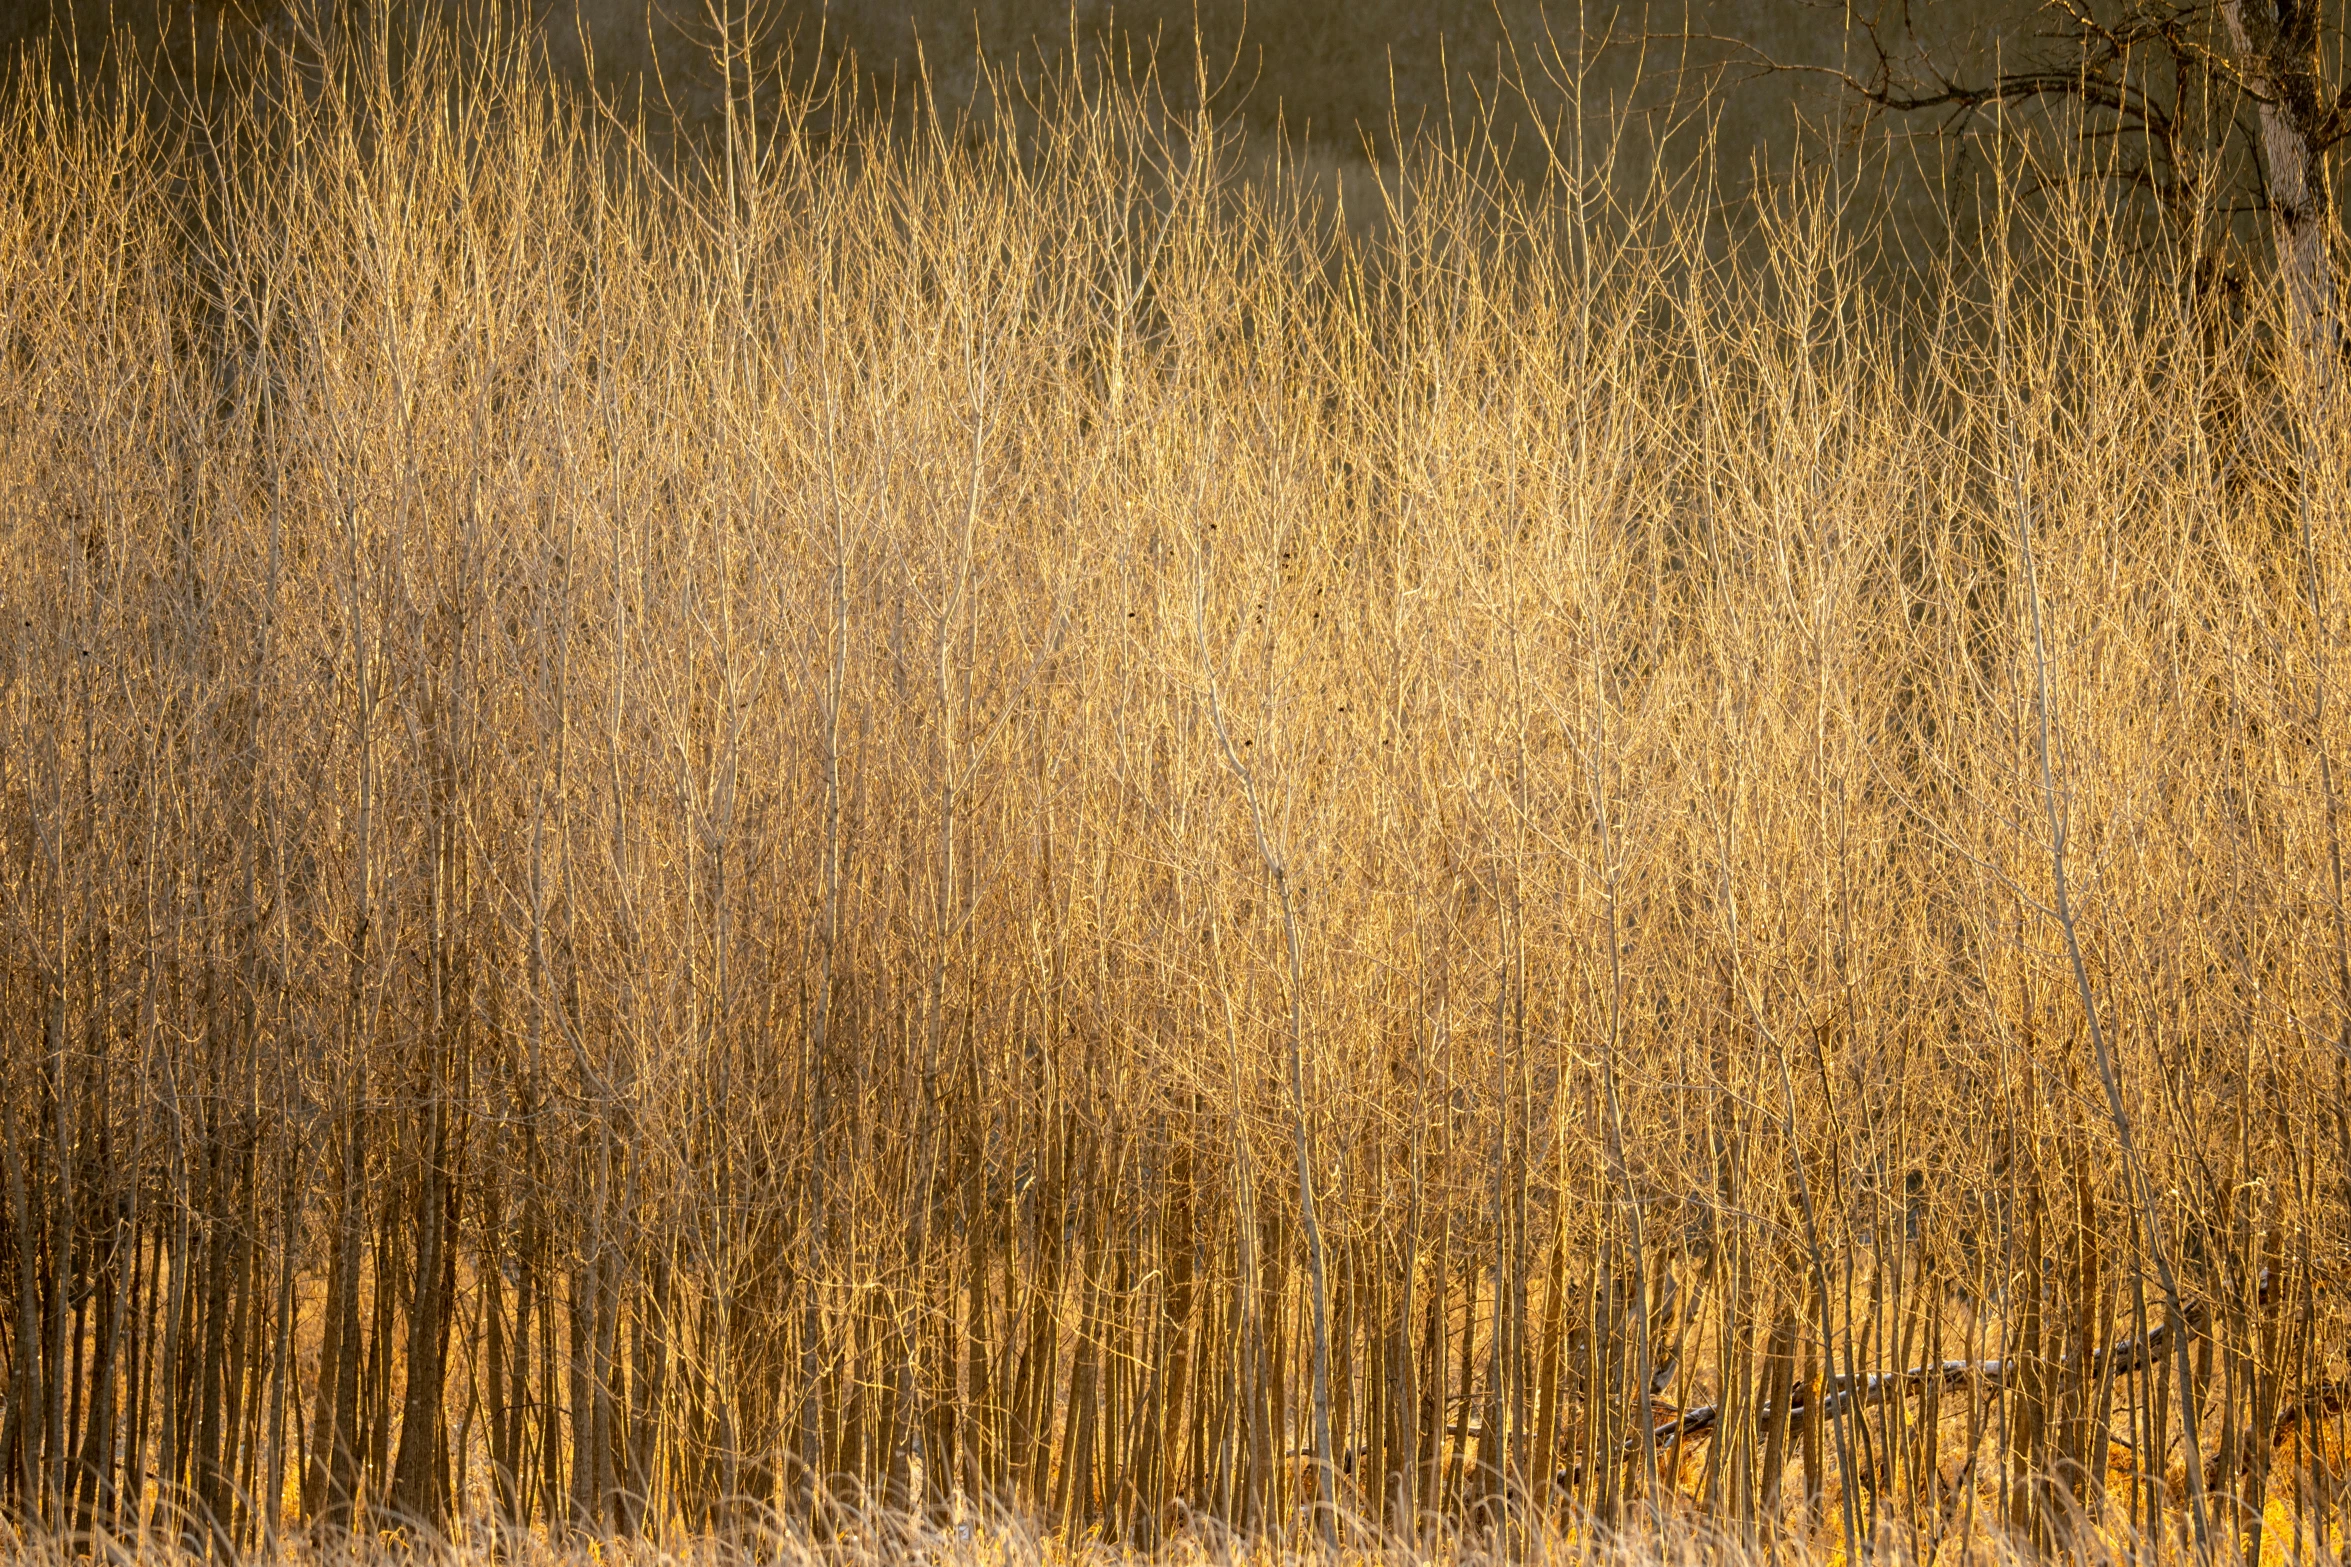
x,y
1865,1390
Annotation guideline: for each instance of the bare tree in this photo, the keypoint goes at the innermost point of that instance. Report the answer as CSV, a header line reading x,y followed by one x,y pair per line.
x,y
2210,107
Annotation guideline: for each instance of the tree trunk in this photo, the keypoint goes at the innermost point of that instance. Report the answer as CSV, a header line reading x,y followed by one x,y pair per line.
x,y
26,1400
2277,43
415,1493
340,1421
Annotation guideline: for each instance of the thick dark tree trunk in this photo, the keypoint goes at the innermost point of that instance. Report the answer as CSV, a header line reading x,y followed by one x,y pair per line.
x,y
341,1449
25,1400
415,1473
91,1472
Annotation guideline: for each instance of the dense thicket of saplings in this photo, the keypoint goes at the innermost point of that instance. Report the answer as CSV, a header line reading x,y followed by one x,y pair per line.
x,y
992,820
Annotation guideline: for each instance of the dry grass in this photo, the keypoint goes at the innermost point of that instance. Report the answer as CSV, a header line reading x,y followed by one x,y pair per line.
x,y
732,859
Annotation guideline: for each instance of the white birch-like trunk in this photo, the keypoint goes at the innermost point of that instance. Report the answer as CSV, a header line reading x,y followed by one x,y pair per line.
x,y
2296,183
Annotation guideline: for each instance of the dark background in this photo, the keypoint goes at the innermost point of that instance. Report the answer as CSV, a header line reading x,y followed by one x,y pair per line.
x,y
1740,91
1341,75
